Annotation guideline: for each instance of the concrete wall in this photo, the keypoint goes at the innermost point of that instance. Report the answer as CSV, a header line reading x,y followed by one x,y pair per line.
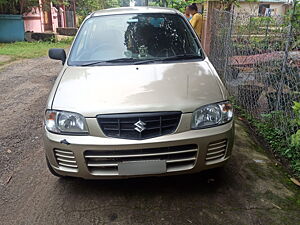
x,y
11,28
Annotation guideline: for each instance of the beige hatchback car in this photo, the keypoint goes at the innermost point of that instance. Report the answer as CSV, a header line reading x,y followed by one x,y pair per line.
x,y
136,96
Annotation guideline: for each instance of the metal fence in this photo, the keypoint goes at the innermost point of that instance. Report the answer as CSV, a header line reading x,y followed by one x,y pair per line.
x,y
259,61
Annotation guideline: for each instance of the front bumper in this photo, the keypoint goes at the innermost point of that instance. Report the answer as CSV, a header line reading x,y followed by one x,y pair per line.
x,y
189,151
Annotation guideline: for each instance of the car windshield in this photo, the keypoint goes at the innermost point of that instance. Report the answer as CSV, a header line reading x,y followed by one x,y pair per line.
x,y
134,38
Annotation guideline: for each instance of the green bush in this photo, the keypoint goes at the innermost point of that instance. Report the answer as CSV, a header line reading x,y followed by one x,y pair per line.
x,y
262,21
293,153
296,136
275,128
289,148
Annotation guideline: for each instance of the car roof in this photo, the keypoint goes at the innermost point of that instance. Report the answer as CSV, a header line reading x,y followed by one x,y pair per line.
x,y
136,9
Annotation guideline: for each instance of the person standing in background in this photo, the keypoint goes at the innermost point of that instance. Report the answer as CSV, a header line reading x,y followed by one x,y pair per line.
x,y
187,14
197,19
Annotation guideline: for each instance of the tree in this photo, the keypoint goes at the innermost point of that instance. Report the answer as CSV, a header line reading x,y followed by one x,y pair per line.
x,y
23,6
17,6
295,18
176,4
85,7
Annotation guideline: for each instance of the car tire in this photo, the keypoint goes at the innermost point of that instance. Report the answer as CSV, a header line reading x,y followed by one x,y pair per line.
x,y
52,170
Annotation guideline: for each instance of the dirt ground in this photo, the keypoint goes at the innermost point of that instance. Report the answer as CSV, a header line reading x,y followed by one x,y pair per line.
x,y
252,189
4,58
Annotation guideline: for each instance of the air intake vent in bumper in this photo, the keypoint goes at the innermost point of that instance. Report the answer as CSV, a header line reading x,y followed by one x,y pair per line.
x,y
66,160
216,150
105,163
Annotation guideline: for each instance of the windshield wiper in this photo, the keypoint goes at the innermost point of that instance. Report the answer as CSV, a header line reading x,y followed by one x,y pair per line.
x,y
182,56
175,57
109,61
137,61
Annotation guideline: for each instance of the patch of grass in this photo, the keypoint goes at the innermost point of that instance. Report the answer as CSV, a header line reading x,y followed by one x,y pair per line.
x,y
277,140
266,127
295,199
27,50
286,203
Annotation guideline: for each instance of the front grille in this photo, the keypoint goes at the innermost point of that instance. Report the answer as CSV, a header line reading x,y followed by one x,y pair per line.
x,y
138,126
105,162
65,159
216,150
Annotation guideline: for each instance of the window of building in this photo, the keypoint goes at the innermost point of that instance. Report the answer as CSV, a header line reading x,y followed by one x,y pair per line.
x,y
263,9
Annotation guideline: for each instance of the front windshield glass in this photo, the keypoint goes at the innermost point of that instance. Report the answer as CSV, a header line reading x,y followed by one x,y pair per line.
x,y
135,37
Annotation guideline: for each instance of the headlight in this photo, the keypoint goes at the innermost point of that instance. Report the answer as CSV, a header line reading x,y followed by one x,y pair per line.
x,y
61,122
212,115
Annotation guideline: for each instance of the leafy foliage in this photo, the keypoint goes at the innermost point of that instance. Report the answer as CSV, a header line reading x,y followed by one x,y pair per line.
x,y
275,137
176,4
23,6
296,136
293,17
85,7
17,6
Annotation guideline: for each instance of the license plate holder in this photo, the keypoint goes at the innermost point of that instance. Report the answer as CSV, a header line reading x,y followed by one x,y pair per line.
x,y
142,167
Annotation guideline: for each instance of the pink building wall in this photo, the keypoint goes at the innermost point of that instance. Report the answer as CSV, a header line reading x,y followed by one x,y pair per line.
x,y
33,21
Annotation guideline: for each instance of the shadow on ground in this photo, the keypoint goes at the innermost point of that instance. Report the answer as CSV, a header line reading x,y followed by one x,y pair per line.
x,y
249,190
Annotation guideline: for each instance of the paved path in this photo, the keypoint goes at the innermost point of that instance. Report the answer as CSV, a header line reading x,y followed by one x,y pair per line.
x,y
250,190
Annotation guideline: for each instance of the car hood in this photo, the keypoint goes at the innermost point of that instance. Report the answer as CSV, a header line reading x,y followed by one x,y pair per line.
x,y
137,88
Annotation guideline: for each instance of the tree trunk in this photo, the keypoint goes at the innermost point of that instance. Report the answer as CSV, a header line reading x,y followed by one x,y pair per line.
x,y
21,2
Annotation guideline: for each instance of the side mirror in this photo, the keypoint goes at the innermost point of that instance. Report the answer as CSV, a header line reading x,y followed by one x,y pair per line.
x,y
58,54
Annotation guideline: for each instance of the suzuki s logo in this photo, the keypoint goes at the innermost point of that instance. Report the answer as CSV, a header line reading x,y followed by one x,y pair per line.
x,y
140,126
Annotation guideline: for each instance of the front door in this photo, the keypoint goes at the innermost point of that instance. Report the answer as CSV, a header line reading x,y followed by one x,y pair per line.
x,y
47,21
